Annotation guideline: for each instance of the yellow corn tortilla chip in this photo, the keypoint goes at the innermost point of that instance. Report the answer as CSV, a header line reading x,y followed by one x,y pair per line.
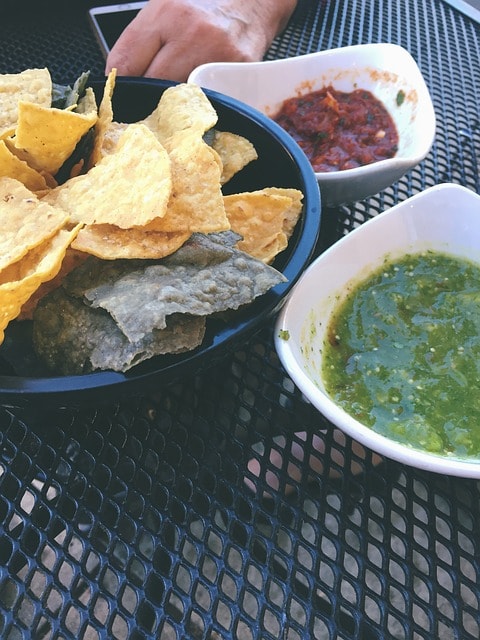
x,y
22,155
181,107
25,221
130,187
49,179
235,153
112,243
88,103
196,203
272,249
49,136
292,214
7,133
105,118
32,85
11,166
111,137
259,217
20,280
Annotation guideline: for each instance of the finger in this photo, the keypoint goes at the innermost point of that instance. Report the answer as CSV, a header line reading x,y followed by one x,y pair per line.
x,y
170,65
127,57
178,58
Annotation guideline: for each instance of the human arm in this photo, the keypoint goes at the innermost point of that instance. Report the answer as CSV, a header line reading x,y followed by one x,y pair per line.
x,y
169,38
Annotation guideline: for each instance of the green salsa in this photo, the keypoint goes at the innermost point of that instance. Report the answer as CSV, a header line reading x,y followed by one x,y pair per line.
x,y
402,353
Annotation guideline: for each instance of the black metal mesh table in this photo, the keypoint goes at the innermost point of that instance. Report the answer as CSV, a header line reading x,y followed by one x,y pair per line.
x,y
133,519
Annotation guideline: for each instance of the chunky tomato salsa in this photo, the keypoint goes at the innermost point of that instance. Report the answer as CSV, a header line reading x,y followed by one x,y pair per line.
x,y
339,130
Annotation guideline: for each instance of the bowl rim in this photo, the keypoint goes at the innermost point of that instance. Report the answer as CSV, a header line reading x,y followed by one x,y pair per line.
x,y
326,406
21,391
246,67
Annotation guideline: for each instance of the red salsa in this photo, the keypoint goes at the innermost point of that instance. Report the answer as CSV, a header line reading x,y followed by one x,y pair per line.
x,y
339,130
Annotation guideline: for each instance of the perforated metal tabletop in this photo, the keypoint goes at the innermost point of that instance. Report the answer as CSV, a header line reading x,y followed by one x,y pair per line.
x,y
132,519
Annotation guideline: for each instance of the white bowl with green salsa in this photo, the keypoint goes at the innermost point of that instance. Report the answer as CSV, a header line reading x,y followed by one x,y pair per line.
x,y
382,332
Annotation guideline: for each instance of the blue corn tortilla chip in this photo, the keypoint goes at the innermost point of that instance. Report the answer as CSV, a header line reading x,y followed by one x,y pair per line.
x,y
74,339
200,282
115,314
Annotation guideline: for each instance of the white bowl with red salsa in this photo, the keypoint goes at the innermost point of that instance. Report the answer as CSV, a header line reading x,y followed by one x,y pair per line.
x,y
382,332
362,114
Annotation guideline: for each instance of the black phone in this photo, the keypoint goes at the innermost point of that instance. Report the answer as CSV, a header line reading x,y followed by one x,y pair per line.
x,y
109,21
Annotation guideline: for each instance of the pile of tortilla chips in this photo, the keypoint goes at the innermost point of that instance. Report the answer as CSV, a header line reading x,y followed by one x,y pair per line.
x,y
139,222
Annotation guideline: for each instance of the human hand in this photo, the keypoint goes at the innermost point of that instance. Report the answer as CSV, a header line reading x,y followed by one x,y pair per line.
x,y
169,38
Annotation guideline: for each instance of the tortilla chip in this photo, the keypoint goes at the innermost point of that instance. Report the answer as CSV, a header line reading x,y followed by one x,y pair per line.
x,y
105,118
292,214
23,156
81,339
49,179
261,218
25,221
112,243
7,133
71,261
235,153
88,103
49,136
11,166
32,85
20,280
196,202
112,137
180,108
130,187
140,295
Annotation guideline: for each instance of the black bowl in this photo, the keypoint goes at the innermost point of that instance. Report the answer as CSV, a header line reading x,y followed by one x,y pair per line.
x,y
281,163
